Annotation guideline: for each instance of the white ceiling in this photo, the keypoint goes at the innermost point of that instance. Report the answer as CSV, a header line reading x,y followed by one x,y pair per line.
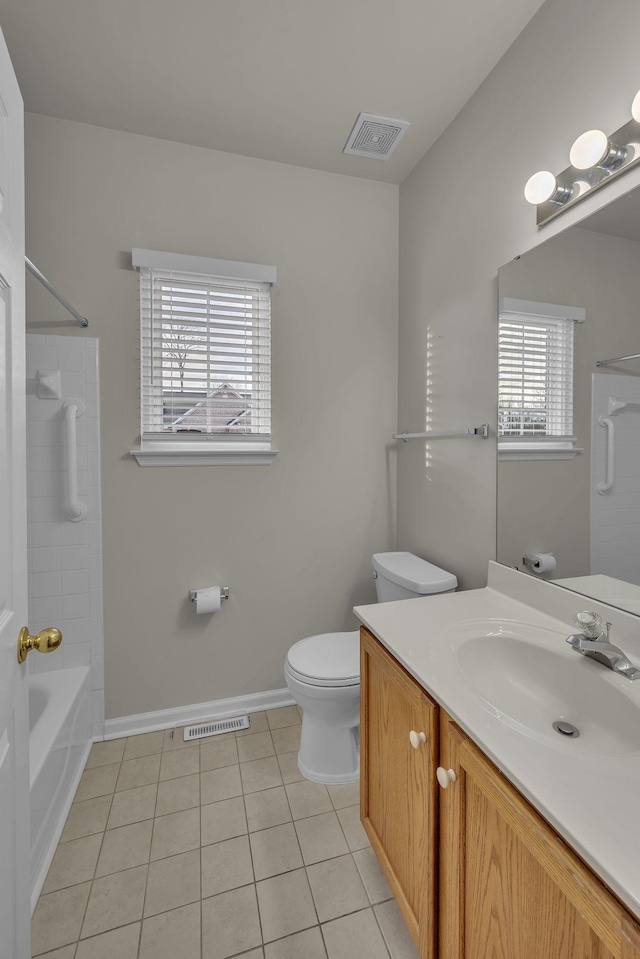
x,y
276,79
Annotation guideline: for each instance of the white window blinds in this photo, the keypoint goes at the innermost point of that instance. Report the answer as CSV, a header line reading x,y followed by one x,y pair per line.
x,y
205,356
535,374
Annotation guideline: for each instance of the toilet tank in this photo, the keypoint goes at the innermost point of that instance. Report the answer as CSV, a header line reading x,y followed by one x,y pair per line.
x,y
401,575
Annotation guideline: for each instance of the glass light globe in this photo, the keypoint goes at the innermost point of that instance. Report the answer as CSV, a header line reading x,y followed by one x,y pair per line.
x,y
540,187
635,107
589,149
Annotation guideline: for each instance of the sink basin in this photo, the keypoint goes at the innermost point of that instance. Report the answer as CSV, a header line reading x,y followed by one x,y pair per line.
x,y
529,678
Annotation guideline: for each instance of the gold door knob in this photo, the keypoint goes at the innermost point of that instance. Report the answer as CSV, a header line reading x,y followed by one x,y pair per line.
x,y
45,642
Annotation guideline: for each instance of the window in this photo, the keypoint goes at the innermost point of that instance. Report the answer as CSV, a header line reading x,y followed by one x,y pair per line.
x,y
535,380
205,352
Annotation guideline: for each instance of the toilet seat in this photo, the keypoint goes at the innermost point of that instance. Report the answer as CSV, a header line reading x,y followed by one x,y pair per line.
x,y
328,659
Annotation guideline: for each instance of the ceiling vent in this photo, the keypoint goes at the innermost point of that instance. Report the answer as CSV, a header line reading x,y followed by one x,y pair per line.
x,y
375,137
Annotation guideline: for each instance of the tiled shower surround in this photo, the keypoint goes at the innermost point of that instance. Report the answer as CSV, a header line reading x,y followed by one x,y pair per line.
x,y
215,850
65,564
615,515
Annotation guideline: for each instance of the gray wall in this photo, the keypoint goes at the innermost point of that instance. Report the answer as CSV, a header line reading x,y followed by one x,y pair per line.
x,y
545,506
293,541
462,215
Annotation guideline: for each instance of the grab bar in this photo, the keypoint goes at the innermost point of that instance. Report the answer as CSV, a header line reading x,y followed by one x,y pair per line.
x,y
607,422
74,509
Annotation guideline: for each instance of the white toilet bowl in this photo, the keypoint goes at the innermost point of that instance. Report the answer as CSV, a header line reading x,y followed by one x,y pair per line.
x,y
323,673
323,676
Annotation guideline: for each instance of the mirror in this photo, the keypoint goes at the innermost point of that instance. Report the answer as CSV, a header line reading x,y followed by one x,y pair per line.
x,y
578,499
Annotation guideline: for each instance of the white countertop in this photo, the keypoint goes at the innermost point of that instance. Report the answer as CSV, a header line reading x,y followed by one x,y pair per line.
x,y
591,798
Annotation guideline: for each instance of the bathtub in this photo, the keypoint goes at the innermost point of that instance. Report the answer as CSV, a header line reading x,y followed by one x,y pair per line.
x,y
59,743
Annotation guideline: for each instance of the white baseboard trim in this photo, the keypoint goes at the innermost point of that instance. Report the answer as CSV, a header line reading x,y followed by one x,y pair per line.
x,y
62,819
196,713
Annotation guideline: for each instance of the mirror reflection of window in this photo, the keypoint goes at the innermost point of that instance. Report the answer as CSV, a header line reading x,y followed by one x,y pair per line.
x,y
581,499
535,376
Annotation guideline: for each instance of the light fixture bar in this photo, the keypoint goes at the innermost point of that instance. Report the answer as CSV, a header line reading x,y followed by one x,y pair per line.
x,y
595,160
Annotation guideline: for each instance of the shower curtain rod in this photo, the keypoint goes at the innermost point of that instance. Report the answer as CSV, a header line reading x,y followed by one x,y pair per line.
x,y
618,359
81,320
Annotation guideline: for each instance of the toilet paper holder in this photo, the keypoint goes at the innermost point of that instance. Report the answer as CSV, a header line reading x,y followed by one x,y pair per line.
x,y
540,563
224,593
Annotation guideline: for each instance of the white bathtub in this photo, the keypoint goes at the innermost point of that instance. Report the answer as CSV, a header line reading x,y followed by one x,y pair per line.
x,y
59,741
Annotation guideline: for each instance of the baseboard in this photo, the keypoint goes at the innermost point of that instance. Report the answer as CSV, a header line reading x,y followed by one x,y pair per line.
x,y
196,713
55,838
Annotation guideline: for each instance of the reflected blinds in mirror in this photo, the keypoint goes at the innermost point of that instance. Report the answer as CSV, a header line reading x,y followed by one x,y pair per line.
x,y
535,375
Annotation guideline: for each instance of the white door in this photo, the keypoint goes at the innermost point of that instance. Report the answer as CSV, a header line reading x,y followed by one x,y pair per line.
x,y
15,894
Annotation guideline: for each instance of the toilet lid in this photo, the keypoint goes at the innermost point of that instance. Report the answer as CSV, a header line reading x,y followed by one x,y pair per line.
x,y
327,659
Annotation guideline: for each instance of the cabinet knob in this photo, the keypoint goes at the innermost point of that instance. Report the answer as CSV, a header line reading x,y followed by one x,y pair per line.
x,y
445,776
417,739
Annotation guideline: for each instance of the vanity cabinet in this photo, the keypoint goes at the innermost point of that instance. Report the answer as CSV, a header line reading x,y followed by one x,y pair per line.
x,y
398,791
507,886
510,888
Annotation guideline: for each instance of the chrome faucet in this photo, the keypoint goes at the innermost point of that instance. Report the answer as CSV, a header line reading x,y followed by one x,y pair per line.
x,y
594,644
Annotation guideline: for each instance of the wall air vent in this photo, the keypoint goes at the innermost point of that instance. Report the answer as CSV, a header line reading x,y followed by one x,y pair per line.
x,y
375,137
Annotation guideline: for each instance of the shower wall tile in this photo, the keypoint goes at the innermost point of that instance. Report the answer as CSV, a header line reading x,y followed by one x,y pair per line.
x,y
76,607
95,571
76,654
74,557
615,515
65,563
97,671
44,585
97,709
45,560
77,630
75,580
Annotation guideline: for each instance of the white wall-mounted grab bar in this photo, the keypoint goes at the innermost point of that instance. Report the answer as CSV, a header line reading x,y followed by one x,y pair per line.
x,y
482,431
73,508
610,426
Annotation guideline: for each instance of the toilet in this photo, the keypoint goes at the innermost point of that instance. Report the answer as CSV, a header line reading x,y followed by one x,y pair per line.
x,y
323,673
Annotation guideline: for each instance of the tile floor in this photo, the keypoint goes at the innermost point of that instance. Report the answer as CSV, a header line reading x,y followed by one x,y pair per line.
x,y
215,850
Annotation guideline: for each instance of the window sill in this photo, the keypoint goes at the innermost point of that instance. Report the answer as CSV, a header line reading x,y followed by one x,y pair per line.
x,y
204,457
513,454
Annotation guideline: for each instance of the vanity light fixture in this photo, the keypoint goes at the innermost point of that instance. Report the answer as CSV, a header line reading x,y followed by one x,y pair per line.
x,y
544,186
594,149
595,159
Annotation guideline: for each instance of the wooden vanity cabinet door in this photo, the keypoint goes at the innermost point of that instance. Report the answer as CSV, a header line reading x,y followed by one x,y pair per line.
x,y
630,938
398,803
510,888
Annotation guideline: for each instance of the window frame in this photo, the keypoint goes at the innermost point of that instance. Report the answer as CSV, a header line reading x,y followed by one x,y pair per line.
x,y
204,449
546,446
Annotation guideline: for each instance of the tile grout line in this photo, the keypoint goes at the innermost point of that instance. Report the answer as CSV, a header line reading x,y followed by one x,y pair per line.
x,y
248,835
104,832
139,946
172,855
255,881
149,861
153,826
200,819
384,938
